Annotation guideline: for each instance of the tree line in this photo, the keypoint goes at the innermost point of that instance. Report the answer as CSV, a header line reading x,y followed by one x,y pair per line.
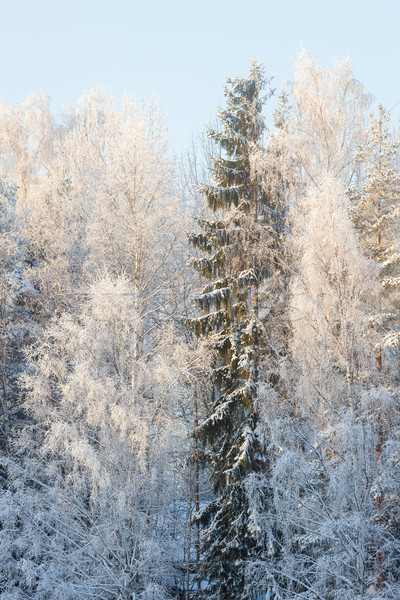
x,y
199,360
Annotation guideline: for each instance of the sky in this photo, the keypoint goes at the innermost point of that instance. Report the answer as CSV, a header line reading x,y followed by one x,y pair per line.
x,y
181,51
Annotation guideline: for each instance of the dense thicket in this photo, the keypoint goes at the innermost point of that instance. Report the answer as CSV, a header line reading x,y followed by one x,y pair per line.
x,y
220,427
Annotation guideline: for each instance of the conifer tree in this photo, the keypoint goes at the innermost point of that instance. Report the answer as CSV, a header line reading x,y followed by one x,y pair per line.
x,y
375,213
239,242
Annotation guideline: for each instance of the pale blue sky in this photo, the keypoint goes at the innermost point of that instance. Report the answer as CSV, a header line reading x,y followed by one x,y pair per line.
x,y
182,51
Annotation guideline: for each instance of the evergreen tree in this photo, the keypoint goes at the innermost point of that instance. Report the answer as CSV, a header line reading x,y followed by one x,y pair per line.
x,y
375,213
15,317
239,243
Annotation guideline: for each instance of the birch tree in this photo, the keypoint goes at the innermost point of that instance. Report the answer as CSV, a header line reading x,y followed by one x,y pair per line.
x,y
327,471
90,510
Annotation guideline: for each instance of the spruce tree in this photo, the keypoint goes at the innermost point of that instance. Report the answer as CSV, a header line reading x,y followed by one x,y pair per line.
x,y
238,243
375,212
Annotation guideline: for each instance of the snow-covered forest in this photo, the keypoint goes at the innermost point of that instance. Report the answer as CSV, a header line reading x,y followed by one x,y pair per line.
x,y
199,374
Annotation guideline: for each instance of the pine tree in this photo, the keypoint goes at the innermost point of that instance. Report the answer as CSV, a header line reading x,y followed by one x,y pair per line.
x,y
239,243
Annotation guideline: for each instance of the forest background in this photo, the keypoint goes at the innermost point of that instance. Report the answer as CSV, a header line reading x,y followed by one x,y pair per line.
x,y
199,357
